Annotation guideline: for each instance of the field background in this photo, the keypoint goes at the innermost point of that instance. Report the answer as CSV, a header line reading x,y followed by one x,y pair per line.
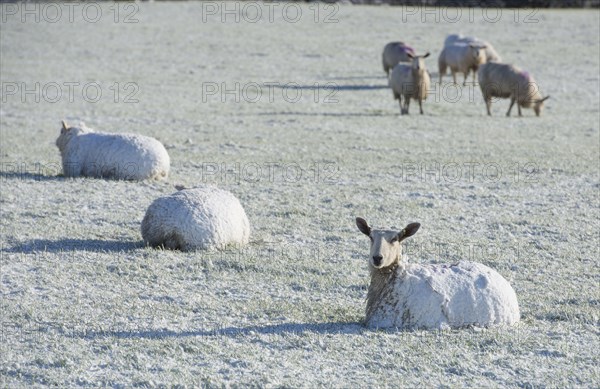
x,y
84,303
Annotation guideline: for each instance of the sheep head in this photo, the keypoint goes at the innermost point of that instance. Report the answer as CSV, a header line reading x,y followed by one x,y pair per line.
x,y
418,62
538,105
65,135
478,53
386,249
67,132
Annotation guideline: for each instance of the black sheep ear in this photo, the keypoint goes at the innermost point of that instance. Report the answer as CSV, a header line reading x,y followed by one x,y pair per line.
x,y
408,231
426,55
363,226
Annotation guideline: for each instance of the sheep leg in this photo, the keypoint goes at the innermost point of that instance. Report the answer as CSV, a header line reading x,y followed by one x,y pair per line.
x,y
453,76
421,106
488,105
519,107
442,69
407,103
512,101
400,102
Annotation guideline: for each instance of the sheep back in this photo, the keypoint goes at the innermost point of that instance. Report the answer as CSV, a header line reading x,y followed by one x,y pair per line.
x,y
118,156
204,217
505,80
395,52
451,39
446,296
458,57
490,52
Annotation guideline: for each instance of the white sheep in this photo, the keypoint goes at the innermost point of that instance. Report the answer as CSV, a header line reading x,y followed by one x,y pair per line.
x,y
490,53
88,153
461,58
410,81
393,53
508,81
439,297
204,217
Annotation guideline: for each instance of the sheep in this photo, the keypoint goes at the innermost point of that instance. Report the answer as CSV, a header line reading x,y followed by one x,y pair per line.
x,y
395,52
88,153
490,53
410,81
461,58
443,296
204,217
508,81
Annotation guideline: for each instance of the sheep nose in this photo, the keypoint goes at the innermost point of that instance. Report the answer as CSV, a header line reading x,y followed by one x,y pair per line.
x,y
377,259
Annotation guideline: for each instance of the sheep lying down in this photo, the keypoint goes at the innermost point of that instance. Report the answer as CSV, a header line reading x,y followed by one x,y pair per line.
x,y
414,296
445,296
88,153
200,218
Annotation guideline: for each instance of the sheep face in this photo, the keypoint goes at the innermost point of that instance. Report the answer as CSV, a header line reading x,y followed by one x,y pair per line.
x,y
386,249
64,137
418,62
66,133
478,54
538,105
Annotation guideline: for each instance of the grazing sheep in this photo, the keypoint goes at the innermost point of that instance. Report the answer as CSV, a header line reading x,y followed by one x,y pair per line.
x,y
461,58
490,53
204,217
508,81
431,296
410,81
395,52
88,153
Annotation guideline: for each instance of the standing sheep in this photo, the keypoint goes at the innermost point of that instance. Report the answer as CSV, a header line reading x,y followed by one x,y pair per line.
x,y
415,296
395,52
490,53
204,217
410,81
508,81
461,58
88,153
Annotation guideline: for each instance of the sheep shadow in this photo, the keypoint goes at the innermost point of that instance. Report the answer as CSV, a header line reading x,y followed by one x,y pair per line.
x,y
62,245
331,114
331,87
382,77
346,328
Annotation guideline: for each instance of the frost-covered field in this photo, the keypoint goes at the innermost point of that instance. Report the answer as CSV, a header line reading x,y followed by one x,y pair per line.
x,y
84,303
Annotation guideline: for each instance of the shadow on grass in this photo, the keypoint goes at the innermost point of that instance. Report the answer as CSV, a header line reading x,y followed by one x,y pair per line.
x,y
331,86
382,77
333,114
55,246
232,332
29,176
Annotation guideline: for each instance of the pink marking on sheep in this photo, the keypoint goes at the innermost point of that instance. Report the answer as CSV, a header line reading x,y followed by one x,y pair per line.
x,y
408,49
526,75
